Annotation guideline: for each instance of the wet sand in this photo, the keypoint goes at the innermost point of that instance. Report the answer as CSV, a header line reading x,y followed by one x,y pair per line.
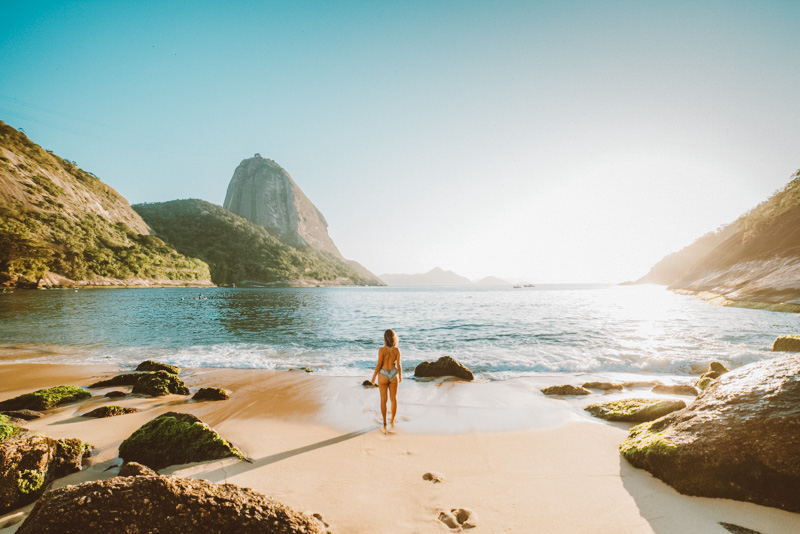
x,y
521,461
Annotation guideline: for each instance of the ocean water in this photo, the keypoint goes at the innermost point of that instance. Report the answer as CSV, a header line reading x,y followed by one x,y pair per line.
x,y
499,333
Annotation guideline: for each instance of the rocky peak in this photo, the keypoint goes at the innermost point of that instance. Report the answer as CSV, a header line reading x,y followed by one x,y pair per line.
x,y
262,192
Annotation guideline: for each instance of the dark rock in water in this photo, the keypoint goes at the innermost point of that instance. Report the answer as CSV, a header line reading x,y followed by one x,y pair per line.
x,y
680,389
444,366
160,383
787,344
150,365
739,440
736,529
635,410
175,438
155,504
715,370
115,394
28,465
134,469
44,399
368,384
605,386
211,394
125,379
110,411
566,390
641,384
27,415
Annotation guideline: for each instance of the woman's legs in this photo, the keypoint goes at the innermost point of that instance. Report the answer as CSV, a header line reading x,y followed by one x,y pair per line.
x,y
393,394
383,386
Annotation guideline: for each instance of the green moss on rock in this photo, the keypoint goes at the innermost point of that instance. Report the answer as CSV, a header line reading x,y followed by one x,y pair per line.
x,y
635,410
44,399
110,411
30,481
649,443
150,365
160,383
175,438
7,430
212,394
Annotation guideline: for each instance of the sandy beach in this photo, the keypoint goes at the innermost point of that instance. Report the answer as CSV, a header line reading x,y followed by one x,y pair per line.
x,y
520,461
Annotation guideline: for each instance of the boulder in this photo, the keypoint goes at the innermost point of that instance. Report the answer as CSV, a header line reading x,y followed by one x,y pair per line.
x,y
115,394
605,386
125,379
739,439
160,383
368,384
566,390
44,399
787,344
150,365
444,366
641,384
715,370
675,389
8,429
135,469
635,410
110,411
27,415
163,504
211,394
28,465
175,438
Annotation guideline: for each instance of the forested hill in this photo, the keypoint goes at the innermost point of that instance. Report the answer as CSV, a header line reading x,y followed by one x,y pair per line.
x,y
753,261
62,225
242,253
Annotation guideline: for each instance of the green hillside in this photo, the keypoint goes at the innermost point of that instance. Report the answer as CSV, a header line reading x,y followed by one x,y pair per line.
x,y
239,251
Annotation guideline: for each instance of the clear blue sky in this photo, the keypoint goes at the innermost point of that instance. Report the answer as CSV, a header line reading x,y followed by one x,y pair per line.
x,y
547,141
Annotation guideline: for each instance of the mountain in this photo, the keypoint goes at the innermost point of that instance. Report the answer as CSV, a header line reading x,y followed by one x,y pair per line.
x,y
492,281
754,261
60,225
262,192
434,277
243,253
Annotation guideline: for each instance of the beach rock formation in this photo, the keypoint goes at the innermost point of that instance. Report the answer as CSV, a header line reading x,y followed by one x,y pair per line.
x,y
163,504
44,399
115,394
110,411
262,192
675,389
135,469
635,410
605,386
211,394
739,440
8,427
160,383
444,366
27,415
641,384
566,390
124,379
28,465
786,344
175,438
149,365
715,370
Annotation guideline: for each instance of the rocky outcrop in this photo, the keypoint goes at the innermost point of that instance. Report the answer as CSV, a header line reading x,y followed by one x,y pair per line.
x,y
27,415
175,438
605,386
44,399
786,344
635,410
715,370
444,366
262,192
135,469
163,504
150,365
566,390
115,394
160,383
110,411
211,394
28,465
675,389
8,427
739,439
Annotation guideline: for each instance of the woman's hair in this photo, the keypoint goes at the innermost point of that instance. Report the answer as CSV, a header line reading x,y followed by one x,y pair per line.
x,y
390,338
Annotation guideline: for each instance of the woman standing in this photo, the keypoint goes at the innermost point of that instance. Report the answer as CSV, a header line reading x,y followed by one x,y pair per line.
x,y
389,373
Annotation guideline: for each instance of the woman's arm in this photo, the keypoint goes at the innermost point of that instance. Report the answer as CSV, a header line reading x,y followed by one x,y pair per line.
x,y
377,367
399,368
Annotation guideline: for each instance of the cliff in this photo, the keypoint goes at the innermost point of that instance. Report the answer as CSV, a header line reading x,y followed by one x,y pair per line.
x,y
262,192
754,261
60,224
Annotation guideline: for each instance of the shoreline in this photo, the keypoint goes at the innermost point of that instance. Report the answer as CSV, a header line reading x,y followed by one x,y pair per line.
x,y
315,446
719,299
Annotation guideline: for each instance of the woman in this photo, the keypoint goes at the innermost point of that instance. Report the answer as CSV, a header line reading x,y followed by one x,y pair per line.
x,y
389,373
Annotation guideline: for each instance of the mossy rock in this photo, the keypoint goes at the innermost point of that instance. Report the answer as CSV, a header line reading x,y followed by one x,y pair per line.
x,y
650,443
160,383
211,394
175,438
566,390
150,365
110,411
635,410
7,429
27,415
605,386
787,344
44,399
715,370
125,379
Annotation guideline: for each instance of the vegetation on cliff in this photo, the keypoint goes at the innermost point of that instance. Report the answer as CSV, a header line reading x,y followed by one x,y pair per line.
x,y
239,251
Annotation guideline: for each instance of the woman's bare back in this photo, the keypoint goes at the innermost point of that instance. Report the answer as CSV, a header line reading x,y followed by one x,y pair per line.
x,y
389,357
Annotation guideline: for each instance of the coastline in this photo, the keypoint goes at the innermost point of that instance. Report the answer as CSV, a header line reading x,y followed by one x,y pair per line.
x,y
719,299
316,446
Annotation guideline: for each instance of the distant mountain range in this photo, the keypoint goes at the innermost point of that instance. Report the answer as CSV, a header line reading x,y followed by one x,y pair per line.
x,y
439,277
753,261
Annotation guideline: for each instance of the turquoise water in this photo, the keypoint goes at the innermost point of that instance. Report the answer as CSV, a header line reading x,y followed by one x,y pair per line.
x,y
498,332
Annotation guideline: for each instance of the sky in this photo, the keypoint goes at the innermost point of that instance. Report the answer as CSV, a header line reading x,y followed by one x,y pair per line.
x,y
538,141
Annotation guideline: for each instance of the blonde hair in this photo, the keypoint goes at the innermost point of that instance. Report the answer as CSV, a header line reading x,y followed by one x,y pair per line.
x,y
390,338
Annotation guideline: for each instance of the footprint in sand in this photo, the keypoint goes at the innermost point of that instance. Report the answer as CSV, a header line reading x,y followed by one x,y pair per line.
x,y
458,519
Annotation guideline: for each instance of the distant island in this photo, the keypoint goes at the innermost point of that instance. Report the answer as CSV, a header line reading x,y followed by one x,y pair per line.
x,y
439,277
752,262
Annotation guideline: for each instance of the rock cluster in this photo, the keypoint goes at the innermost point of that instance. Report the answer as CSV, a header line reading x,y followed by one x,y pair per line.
x,y
444,366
